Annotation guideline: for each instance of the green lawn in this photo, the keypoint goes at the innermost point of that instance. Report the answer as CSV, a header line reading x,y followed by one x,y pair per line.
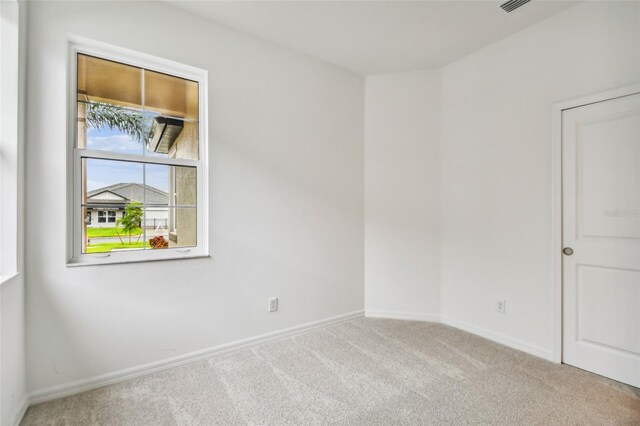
x,y
107,247
108,232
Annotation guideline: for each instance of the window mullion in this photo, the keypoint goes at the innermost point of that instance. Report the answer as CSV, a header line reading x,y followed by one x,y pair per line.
x,y
144,205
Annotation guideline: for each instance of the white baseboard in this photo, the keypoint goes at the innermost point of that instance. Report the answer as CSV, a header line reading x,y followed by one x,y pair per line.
x,y
59,391
19,414
499,338
409,316
480,331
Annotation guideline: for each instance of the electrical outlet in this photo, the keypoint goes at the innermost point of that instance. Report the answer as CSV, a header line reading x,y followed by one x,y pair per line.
x,y
273,304
501,306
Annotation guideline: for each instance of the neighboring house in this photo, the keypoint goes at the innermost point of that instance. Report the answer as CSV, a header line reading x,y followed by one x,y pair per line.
x,y
106,205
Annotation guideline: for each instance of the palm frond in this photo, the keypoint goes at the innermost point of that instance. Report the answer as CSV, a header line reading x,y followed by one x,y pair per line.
x,y
128,121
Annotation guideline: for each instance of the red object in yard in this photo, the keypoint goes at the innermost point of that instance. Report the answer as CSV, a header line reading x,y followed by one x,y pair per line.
x,y
158,242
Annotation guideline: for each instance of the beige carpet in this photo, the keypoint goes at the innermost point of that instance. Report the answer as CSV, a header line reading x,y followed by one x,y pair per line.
x,y
361,372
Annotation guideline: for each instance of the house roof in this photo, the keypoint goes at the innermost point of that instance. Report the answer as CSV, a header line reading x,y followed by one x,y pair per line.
x,y
121,193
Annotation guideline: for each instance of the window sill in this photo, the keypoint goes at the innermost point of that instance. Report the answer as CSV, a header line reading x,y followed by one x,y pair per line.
x,y
8,277
115,261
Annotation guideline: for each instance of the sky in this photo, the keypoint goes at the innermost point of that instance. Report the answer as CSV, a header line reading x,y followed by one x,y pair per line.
x,y
101,173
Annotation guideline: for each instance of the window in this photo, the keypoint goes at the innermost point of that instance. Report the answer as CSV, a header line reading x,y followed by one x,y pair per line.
x,y
138,157
106,216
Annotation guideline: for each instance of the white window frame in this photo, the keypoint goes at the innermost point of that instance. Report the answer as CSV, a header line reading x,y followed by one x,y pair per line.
x,y
74,186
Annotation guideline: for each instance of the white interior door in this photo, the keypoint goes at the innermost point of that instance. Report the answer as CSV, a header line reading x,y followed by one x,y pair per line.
x,y
601,225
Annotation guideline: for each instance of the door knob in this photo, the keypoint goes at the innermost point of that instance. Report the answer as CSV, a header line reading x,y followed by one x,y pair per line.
x,y
568,251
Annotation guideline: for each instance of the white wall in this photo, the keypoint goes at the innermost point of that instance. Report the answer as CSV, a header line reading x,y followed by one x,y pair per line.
x,y
402,184
13,383
286,199
287,188
496,161
13,386
458,173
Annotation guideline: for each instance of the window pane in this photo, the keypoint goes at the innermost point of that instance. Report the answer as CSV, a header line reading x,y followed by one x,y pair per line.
x,y
182,227
111,182
113,114
171,96
157,226
107,127
157,205
184,186
100,80
109,188
173,138
157,179
169,227
170,185
110,107
102,234
174,132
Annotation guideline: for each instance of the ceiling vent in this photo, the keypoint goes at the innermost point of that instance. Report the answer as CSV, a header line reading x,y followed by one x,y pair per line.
x,y
164,133
512,5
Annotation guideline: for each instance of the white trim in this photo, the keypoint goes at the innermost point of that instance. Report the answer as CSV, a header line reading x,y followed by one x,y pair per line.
x,y
497,337
174,254
409,316
556,202
19,414
59,391
148,62
556,232
135,58
479,331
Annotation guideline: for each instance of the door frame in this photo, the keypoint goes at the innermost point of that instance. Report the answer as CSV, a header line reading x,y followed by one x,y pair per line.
x,y
556,200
